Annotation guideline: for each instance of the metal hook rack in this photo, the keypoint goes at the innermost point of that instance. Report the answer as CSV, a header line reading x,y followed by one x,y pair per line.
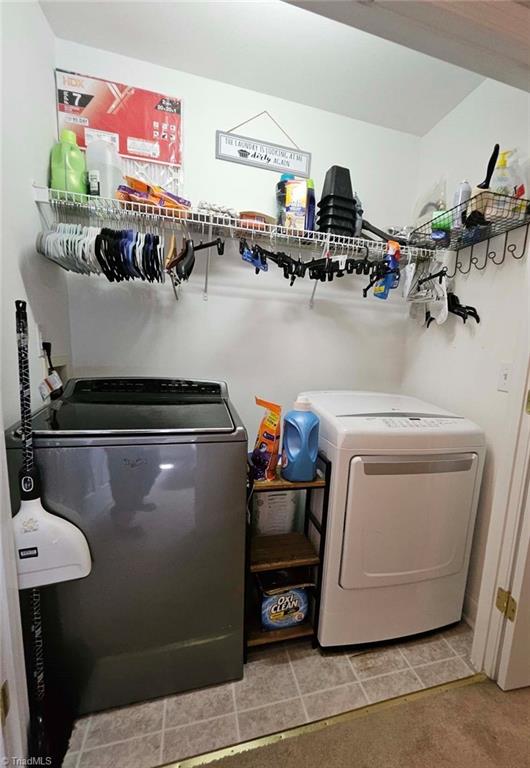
x,y
481,219
496,256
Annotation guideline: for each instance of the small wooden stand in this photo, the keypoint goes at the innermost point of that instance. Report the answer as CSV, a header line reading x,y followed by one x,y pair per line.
x,y
288,550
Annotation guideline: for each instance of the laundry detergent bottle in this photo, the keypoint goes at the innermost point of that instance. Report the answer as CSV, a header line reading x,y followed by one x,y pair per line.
x,y
67,164
300,443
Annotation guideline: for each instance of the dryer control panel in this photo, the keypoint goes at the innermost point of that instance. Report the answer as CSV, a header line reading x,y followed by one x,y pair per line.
x,y
417,422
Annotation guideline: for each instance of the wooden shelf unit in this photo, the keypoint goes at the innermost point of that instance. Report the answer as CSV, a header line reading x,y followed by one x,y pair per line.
x,y
258,636
279,484
287,550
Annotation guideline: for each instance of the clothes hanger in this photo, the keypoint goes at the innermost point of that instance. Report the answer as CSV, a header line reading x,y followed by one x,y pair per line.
x,y
456,308
184,261
436,275
253,256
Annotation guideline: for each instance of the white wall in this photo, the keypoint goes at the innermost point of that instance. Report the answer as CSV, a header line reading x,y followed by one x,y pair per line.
x,y
28,131
458,367
255,332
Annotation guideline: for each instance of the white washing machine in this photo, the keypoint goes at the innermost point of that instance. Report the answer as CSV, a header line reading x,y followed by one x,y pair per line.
x,y
404,490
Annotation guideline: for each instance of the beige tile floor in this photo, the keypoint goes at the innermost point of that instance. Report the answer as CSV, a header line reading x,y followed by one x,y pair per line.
x,y
282,687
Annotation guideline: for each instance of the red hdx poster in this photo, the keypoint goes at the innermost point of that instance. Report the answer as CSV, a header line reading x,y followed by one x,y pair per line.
x,y
142,124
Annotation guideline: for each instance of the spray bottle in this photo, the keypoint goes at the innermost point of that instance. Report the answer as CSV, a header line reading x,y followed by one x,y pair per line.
x,y
507,180
391,280
501,182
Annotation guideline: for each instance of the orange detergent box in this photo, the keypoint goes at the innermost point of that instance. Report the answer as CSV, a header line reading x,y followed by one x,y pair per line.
x,y
266,449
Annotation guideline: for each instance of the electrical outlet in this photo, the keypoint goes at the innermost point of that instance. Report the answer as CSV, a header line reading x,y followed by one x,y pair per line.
x,y
505,375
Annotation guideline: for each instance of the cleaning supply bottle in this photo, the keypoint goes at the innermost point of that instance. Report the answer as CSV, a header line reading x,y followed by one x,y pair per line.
x,y
104,166
507,180
311,206
67,165
518,181
501,182
461,196
300,443
390,280
517,176
281,207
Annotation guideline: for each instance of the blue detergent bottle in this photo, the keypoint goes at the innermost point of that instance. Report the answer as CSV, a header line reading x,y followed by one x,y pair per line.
x,y
300,443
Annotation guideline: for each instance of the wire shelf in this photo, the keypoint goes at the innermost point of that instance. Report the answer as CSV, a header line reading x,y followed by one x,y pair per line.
x,y
85,209
480,219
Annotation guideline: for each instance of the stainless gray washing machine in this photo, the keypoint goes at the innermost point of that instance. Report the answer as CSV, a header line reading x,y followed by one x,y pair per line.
x,y
154,473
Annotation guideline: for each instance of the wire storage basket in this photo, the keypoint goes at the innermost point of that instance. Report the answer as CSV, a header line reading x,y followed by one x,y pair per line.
x,y
481,218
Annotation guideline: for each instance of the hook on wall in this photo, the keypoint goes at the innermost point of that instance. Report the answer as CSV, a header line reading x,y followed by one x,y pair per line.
x,y
452,274
493,254
511,248
475,261
460,264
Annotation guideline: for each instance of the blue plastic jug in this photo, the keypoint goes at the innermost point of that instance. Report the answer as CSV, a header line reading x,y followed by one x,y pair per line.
x,y
300,443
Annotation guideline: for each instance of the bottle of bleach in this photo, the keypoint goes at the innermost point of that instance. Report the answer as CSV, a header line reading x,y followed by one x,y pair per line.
x,y
300,443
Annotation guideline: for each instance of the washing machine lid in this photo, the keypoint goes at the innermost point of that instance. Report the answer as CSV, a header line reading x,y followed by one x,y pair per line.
x,y
375,420
112,406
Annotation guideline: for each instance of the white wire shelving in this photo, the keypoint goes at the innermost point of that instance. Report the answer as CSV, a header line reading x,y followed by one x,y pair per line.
x,y
70,207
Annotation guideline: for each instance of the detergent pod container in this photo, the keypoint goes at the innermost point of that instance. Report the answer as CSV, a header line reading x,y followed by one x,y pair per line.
x,y
300,443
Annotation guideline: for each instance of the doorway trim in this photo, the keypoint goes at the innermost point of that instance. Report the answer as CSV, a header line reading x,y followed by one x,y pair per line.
x,y
507,509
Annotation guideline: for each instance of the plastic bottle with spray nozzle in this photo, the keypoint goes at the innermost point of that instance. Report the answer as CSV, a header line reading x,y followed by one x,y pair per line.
x,y
507,180
502,182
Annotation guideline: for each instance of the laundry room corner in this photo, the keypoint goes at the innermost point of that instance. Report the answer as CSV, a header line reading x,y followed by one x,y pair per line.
x,y
463,368
28,127
265,329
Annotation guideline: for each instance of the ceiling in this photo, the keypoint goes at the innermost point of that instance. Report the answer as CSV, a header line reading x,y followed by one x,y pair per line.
x,y
490,38
278,49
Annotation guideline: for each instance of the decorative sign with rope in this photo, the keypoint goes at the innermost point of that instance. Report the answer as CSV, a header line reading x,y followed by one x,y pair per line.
x,y
262,154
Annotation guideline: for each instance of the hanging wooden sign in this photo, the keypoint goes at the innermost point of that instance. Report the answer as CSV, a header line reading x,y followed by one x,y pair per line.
x,y
262,154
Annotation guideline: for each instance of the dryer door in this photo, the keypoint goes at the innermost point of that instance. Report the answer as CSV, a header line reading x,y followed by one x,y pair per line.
x,y
407,518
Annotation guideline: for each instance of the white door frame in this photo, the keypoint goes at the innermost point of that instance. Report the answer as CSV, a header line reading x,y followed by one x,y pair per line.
x,y
502,541
514,659
507,507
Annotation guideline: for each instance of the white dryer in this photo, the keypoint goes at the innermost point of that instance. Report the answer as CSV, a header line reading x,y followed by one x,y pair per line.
x,y
404,491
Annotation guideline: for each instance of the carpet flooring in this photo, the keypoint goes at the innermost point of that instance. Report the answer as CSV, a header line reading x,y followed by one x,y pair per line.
x,y
475,726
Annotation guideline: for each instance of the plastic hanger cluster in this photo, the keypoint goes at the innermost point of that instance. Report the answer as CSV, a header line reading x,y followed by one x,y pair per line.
x,y
118,254
72,246
128,255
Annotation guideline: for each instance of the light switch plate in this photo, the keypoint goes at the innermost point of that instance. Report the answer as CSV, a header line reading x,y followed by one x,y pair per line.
x,y
505,375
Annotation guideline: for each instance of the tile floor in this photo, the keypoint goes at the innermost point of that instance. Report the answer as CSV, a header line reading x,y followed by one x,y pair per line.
x,y
282,687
